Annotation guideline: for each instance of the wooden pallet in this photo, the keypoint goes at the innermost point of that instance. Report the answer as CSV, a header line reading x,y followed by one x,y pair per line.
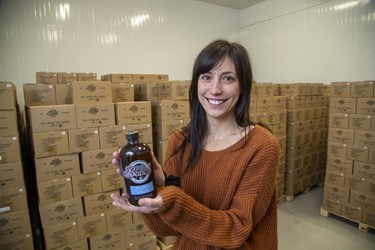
x,y
281,199
290,197
361,226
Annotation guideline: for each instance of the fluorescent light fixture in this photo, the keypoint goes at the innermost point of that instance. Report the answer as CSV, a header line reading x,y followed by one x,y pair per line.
x,y
138,20
351,4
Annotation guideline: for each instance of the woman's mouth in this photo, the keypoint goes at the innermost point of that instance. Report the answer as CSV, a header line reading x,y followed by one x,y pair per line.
x,y
215,101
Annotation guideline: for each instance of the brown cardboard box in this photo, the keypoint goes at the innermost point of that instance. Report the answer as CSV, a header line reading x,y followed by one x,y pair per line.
x,y
368,217
39,94
351,211
332,205
364,138
372,123
142,78
173,90
337,149
341,135
145,131
357,153
91,92
10,149
296,115
340,164
163,129
87,76
12,199
58,166
160,78
66,77
360,121
371,157
114,239
8,95
15,223
8,123
355,183
170,109
64,94
323,101
364,170
362,89
293,89
87,184
11,175
133,112
95,115
112,136
370,186
111,180
365,106
334,192
122,92
91,225
118,78
50,143
21,241
279,103
97,160
78,245
265,104
46,77
52,117
343,105
60,234
159,150
295,102
311,101
279,130
147,244
118,218
269,89
362,199
340,89
137,233
54,190
145,91
98,203
338,120
335,177
61,212
83,139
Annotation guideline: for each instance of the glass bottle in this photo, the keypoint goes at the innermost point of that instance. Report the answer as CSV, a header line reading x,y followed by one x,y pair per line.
x,y
136,169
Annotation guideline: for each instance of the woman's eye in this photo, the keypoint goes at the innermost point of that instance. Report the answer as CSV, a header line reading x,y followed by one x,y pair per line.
x,y
206,77
228,78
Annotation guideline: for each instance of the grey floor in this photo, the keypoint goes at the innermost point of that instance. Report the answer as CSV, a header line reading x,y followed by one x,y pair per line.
x,y
301,227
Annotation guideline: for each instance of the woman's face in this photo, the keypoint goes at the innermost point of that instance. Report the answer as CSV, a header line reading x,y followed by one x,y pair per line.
x,y
219,90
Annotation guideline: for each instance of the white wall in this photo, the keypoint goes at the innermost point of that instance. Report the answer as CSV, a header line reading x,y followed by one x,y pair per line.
x,y
310,40
98,36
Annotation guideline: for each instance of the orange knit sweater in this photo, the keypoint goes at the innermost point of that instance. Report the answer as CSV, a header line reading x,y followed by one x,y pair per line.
x,y
227,201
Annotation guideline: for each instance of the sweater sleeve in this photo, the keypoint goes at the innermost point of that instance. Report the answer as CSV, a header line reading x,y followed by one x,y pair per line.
x,y
228,228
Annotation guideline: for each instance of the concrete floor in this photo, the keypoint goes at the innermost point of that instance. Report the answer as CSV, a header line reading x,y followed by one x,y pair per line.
x,y
301,226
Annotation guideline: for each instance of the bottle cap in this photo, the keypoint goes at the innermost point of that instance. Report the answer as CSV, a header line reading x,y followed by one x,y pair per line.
x,y
132,135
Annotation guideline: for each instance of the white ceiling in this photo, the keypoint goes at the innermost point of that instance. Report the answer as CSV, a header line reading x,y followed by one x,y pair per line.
x,y
234,4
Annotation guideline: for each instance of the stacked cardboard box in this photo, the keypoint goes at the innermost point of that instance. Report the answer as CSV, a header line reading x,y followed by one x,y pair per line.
x,y
307,109
15,226
350,174
268,107
73,140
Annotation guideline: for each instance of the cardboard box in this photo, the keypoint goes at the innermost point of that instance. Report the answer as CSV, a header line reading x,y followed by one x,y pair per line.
x,y
12,199
168,109
340,89
46,77
50,143
8,123
368,217
87,76
114,239
357,153
360,121
279,130
160,78
15,223
8,96
10,149
145,91
322,101
66,77
137,233
341,135
112,136
60,235
173,90
78,245
293,89
142,78
133,112
111,180
64,94
97,160
279,103
95,115
117,218
295,102
355,183
364,138
363,89
265,104
338,120
122,92
145,131
61,212
351,211
159,151
91,225
337,149
333,206
83,139
371,157
335,177
343,105
52,117
87,184
372,123
11,175
91,92
98,203
39,94
163,129
366,106
340,164
335,192
55,190
22,241
362,199
59,166
364,169
118,78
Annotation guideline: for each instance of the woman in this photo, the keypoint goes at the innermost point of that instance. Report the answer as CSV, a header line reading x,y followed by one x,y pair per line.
x,y
225,163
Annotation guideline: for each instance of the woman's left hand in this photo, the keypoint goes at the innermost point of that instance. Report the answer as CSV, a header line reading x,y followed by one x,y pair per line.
x,y
146,205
